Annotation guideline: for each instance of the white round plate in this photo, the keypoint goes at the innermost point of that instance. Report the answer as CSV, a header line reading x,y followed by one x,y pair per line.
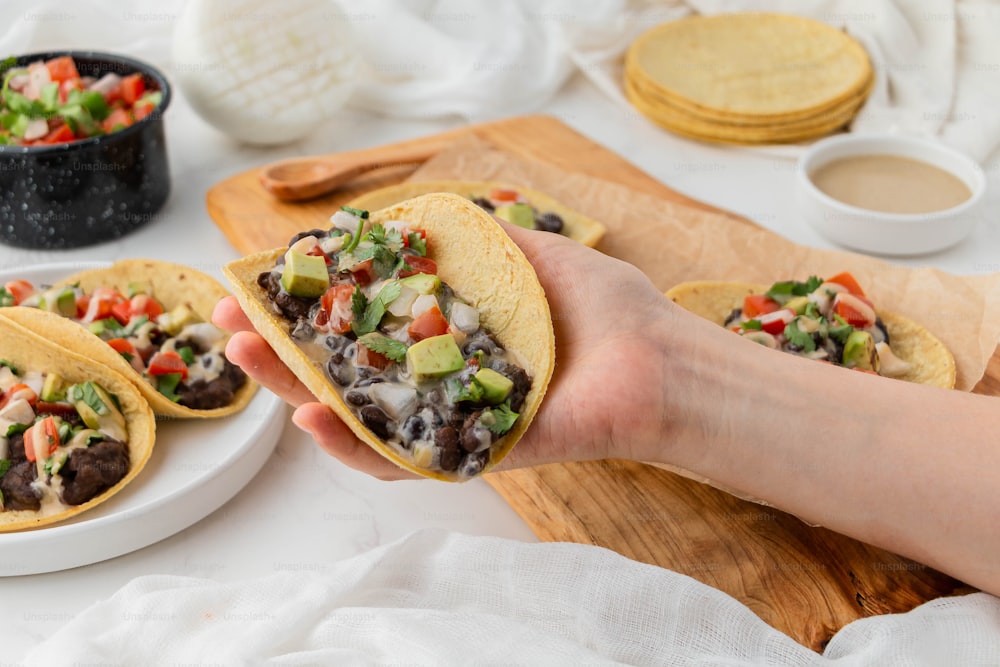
x,y
195,468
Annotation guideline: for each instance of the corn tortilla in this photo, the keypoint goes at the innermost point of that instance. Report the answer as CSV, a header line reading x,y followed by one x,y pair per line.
x,y
750,64
931,362
28,351
575,225
482,265
172,285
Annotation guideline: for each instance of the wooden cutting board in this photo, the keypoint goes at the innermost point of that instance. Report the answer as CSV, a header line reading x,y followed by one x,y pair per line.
x,y
807,582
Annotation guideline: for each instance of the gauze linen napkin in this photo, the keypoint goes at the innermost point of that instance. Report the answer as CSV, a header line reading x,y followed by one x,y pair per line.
x,y
439,598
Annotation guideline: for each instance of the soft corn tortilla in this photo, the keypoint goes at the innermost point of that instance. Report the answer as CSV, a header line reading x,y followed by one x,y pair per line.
x,y
484,267
172,285
29,351
575,225
750,65
930,360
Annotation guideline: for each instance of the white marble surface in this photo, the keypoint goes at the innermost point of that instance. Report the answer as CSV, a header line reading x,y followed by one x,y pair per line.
x,y
307,510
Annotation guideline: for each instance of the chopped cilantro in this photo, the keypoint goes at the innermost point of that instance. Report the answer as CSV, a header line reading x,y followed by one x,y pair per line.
x,y
167,383
359,302
16,428
389,347
376,309
812,310
798,337
4,466
418,244
360,212
783,291
458,392
840,333
502,418
187,354
6,298
12,367
751,324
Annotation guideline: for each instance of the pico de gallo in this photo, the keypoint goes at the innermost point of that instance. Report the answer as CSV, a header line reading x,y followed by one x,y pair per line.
x,y
49,102
61,444
830,320
514,207
406,352
179,354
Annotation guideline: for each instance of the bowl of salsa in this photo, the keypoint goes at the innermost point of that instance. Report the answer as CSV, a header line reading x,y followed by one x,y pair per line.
x,y
83,155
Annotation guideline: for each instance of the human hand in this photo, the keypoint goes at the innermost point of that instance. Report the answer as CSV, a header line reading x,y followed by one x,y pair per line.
x,y
606,395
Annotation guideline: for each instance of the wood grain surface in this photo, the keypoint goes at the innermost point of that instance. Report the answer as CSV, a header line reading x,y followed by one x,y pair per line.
x,y
807,582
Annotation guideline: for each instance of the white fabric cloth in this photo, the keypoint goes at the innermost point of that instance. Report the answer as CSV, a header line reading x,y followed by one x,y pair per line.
x,y
437,598
937,61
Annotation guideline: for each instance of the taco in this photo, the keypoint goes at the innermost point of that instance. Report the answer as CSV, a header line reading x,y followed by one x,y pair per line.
x,y
830,320
72,432
518,205
422,326
149,321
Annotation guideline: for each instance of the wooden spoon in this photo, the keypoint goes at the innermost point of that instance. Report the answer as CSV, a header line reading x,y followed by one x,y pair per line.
x,y
305,178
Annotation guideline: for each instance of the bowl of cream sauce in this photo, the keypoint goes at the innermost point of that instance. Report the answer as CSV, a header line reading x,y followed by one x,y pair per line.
x,y
889,194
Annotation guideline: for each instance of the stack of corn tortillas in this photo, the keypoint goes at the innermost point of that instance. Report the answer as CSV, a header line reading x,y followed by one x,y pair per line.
x,y
748,78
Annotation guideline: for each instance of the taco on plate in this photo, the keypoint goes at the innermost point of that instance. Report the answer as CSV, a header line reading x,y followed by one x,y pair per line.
x,y
831,320
421,325
518,205
72,432
149,321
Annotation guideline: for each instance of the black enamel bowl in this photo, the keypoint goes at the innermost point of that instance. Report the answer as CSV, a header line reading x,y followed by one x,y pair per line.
x,y
92,190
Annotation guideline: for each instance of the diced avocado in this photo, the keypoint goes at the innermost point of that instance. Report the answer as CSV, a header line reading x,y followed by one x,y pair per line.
x,y
859,351
65,302
177,318
434,357
797,304
97,409
496,387
53,388
521,215
304,275
423,283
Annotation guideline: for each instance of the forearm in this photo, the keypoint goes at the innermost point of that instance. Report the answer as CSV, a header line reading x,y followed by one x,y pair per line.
x,y
910,468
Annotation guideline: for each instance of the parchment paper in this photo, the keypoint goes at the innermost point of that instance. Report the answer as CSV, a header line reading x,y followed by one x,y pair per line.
x,y
673,243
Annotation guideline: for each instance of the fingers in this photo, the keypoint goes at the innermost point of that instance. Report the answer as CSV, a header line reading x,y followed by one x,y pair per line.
x,y
252,353
331,434
230,316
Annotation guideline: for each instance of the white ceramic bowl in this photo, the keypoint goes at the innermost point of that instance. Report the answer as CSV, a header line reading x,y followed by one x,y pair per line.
x,y
888,233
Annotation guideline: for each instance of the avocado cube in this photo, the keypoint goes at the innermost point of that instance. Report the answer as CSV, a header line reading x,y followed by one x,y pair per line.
x,y
434,357
304,275
423,283
521,215
859,351
177,318
66,302
797,304
496,387
53,388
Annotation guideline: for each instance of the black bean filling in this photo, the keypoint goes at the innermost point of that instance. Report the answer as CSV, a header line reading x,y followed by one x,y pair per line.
x,y
463,443
546,222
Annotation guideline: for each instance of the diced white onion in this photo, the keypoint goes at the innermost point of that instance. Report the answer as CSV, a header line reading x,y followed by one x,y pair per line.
x,y
106,84
807,324
866,311
422,304
465,318
346,221
402,304
33,379
761,337
7,378
303,245
18,410
36,129
332,244
396,400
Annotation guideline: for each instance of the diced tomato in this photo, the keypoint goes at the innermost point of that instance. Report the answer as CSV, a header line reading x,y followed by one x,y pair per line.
x,y
122,346
758,304
367,357
19,289
58,135
164,363
418,265
856,310
122,312
41,438
335,308
774,322
140,304
132,88
19,390
848,281
98,304
316,251
117,118
503,194
143,108
364,272
429,323
62,69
